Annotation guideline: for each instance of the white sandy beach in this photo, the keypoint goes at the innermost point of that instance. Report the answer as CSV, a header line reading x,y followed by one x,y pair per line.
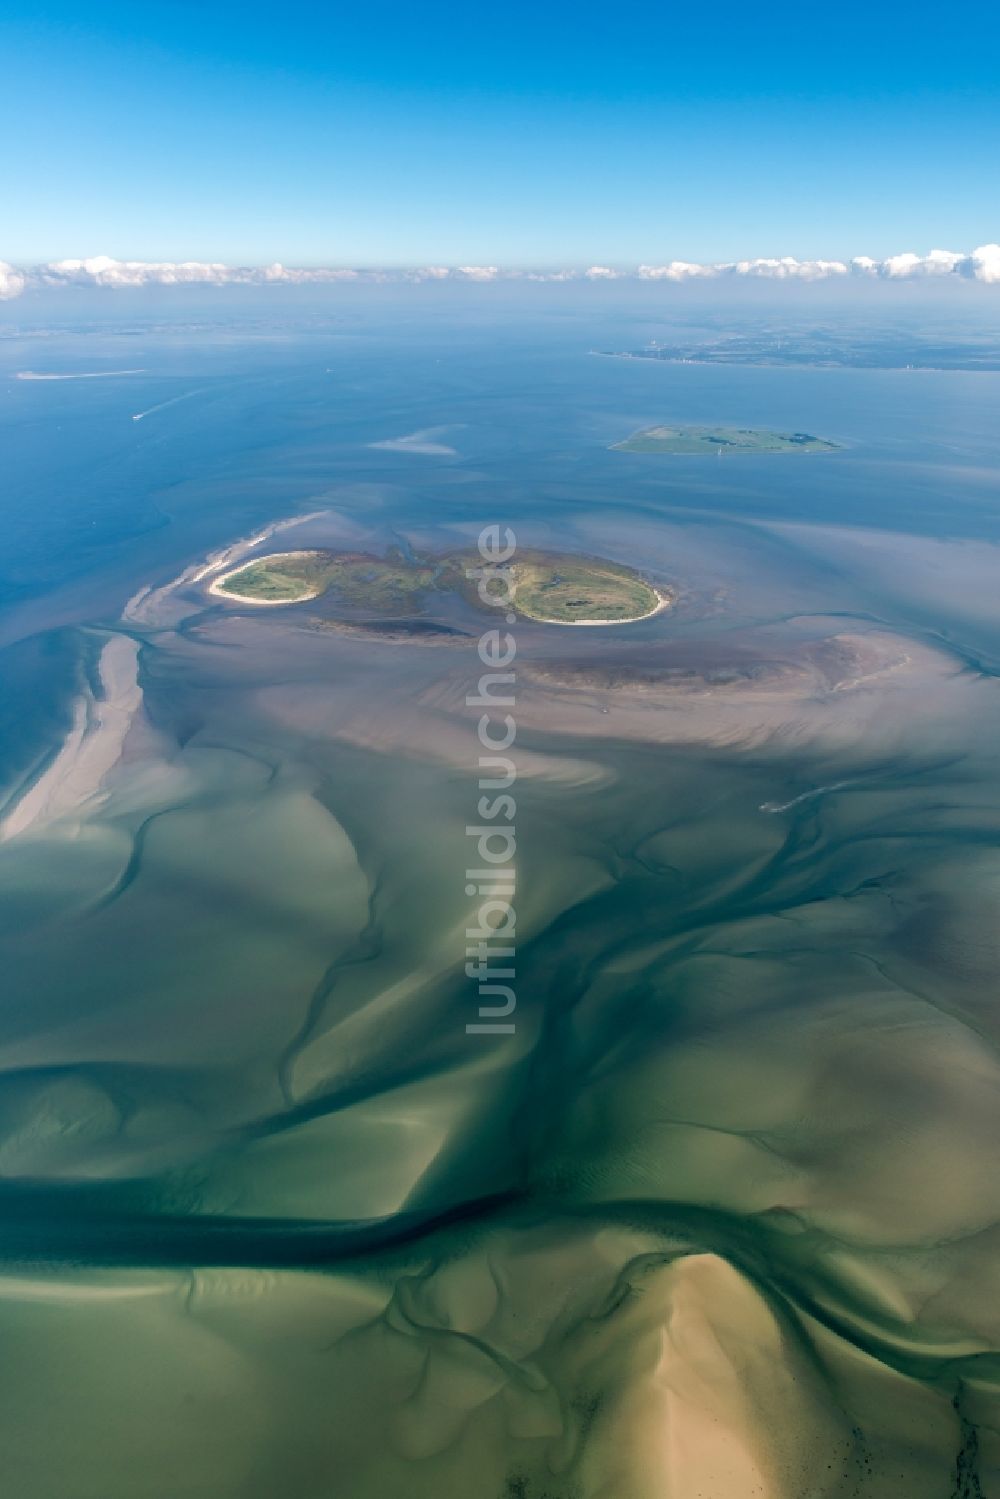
x,y
631,619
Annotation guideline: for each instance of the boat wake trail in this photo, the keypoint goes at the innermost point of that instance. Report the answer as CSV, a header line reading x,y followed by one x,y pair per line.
x,y
139,416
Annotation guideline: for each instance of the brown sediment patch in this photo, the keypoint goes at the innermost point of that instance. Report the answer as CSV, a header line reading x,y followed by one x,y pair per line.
x,y
846,687
397,631
835,663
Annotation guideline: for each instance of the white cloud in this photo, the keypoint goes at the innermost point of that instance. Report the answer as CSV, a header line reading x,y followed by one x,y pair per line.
x,y
11,282
942,262
789,268
909,266
279,272
982,264
677,270
937,263
906,264
448,273
102,270
785,269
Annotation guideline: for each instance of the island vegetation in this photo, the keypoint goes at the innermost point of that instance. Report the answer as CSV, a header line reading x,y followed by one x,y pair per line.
x,y
545,587
383,584
721,441
562,589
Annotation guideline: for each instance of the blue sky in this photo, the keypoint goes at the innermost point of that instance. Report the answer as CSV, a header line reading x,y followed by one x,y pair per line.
x,y
536,134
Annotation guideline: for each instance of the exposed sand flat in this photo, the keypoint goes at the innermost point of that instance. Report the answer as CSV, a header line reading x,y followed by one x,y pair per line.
x,y
417,730
88,1288
423,442
837,689
92,747
461,1375
847,687
720,1405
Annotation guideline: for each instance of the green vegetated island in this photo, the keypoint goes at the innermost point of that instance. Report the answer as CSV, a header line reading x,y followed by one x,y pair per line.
x,y
547,587
721,440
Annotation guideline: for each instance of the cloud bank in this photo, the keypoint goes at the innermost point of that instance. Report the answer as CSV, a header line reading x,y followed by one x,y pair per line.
x,y
982,264
11,282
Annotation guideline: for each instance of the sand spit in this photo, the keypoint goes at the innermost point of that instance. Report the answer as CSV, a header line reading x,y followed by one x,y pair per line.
x,y
160,606
91,749
230,555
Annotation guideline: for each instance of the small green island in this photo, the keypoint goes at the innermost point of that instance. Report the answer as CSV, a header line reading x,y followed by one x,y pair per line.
x,y
721,441
558,589
545,587
382,584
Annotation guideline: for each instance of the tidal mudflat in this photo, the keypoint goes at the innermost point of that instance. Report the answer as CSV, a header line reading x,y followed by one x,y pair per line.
x,y
720,1217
